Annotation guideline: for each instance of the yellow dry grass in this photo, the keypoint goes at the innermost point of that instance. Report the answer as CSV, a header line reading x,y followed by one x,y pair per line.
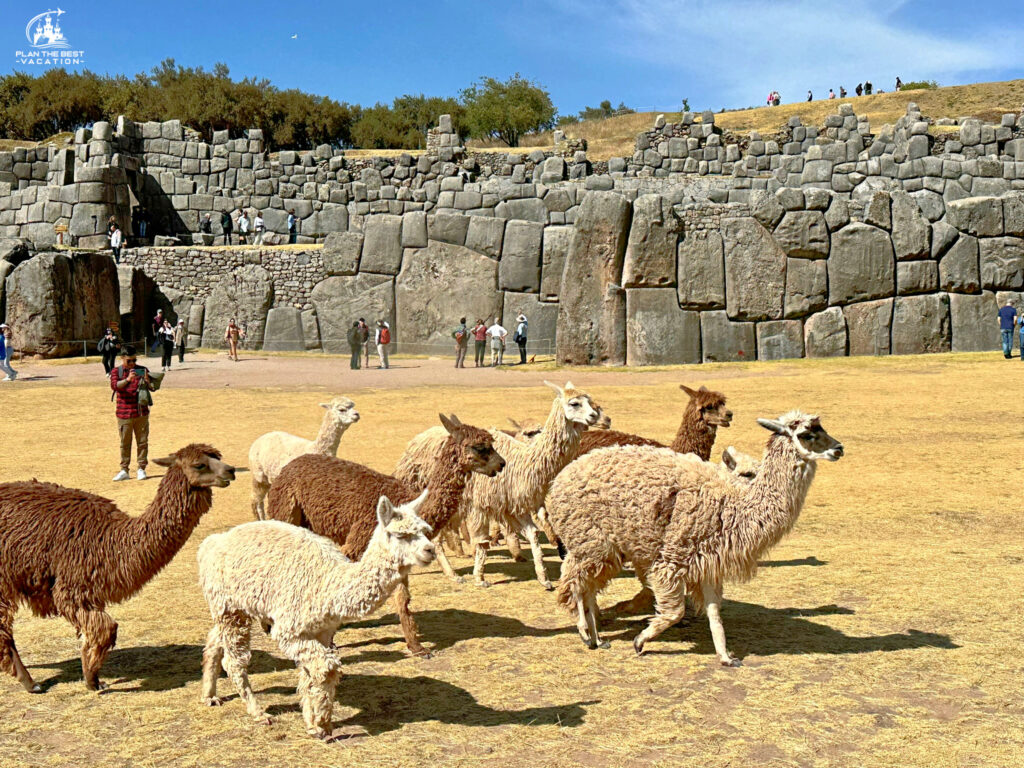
x,y
884,631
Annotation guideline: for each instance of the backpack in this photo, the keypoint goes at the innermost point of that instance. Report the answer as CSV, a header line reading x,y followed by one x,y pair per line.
x,y
385,335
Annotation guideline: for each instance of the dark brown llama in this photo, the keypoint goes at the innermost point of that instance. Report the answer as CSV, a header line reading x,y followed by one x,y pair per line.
x,y
69,553
338,499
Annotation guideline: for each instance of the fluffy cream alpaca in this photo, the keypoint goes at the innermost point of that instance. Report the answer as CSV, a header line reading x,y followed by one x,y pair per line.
x,y
269,453
302,584
686,525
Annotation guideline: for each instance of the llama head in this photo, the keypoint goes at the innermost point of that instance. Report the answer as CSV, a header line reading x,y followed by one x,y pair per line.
x,y
476,447
342,410
407,535
524,429
201,464
741,464
709,406
578,406
806,434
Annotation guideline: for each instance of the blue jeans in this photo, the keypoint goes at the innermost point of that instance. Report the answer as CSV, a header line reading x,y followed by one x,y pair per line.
x,y
1007,343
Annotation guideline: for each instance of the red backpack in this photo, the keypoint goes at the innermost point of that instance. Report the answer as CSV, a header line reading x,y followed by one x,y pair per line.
x,y
385,335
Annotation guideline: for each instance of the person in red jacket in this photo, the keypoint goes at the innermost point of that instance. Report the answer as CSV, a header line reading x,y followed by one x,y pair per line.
x,y
480,337
132,418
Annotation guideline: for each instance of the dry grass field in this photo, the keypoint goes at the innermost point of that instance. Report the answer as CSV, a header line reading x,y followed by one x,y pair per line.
x,y
884,631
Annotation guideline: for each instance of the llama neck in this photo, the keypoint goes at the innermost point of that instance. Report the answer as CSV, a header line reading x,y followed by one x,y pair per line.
x,y
145,544
445,484
357,589
557,445
329,436
694,435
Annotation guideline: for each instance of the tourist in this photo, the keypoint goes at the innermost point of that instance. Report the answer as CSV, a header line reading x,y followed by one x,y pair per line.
x,y
382,339
842,92
243,227
132,417
293,227
461,336
179,340
226,226
108,348
480,340
497,334
259,227
136,213
778,99
899,84
158,323
355,345
1007,321
143,221
859,89
116,238
810,96
364,334
867,87
6,351
519,337
231,335
206,225
111,226
167,341
831,95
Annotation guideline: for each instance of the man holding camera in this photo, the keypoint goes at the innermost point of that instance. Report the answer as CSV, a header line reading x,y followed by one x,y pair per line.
x,y
132,417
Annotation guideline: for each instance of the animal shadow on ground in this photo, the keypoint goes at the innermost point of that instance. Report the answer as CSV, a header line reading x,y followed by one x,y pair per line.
x,y
515,571
386,703
442,629
766,631
155,667
811,560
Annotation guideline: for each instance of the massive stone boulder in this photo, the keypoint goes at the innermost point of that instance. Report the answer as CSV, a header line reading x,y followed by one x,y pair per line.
x,y
658,332
803,234
592,304
341,253
382,244
958,269
556,246
541,316
825,334
755,271
701,270
861,265
284,331
723,340
1002,263
651,249
920,324
60,305
973,328
245,294
438,285
869,327
340,301
780,339
911,231
806,287
981,216
520,257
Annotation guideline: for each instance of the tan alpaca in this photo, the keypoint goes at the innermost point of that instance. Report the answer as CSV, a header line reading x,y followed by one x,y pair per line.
x,y
687,525
301,583
269,453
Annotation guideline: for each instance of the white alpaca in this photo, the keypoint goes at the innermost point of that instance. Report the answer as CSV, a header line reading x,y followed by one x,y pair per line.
x,y
269,453
304,586
514,496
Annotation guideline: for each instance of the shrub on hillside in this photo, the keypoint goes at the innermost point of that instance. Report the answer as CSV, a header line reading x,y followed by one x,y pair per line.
x,y
920,85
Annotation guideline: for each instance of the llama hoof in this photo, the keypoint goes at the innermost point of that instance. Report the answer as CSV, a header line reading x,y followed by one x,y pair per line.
x,y
638,646
213,701
591,645
518,559
605,645
263,720
548,586
482,583
320,733
732,661
423,653
99,686
459,580
37,688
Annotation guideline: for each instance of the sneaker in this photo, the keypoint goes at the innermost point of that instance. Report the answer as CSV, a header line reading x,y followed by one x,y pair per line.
x,y
122,475
141,475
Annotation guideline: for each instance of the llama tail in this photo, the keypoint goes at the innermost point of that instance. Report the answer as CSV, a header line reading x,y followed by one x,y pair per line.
x,y
580,579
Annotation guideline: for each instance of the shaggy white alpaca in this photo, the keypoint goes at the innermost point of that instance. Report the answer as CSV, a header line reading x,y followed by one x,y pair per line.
x,y
304,586
269,453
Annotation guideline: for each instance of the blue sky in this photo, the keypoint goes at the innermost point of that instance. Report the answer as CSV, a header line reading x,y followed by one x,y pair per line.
x,y
648,53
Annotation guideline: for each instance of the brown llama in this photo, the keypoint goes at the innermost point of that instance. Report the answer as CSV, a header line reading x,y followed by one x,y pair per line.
x,y
338,499
69,553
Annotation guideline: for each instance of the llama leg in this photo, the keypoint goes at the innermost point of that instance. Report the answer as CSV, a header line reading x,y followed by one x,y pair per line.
x,y
538,555
571,594
213,656
713,604
478,564
515,549
642,601
670,596
409,630
259,496
446,565
99,635
234,633
319,671
593,613
10,661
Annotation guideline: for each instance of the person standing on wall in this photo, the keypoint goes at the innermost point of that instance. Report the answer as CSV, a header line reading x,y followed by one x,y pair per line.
x,y
179,340
132,418
461,336
364,335
842,92
108,348
867,87
497,334
226,226
1007,321
293,227
355,345
899,84
243,227
519,337
480,342
859,89
231,335
810,96
259,226
383,341
116,239
6,350
831,95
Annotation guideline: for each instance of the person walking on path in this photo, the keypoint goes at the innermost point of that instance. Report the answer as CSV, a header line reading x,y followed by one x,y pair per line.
x,y
167,341
116,240
259,227
810,96
108,348
158,323
226,226
243,227
899,84
293,227
497,334
231,335
519,337
382,339
364,334
859,90
5,353
1007,321
461,336
842,92
179,340
867,87
355,345
831,94
480,342
132,418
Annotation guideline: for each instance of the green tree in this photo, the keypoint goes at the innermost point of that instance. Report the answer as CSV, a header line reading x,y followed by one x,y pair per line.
x,y
507,110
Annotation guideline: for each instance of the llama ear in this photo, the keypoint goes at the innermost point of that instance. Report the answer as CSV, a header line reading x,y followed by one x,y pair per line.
x,y
166,461
515,424
385,511
773,426
687,390
570,385
446,423
414,505
454,419
325,405
555,387
728,459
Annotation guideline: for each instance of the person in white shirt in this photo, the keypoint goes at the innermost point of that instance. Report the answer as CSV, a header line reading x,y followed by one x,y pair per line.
x,y
497,334
116,240
259,227
243,227
382,339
